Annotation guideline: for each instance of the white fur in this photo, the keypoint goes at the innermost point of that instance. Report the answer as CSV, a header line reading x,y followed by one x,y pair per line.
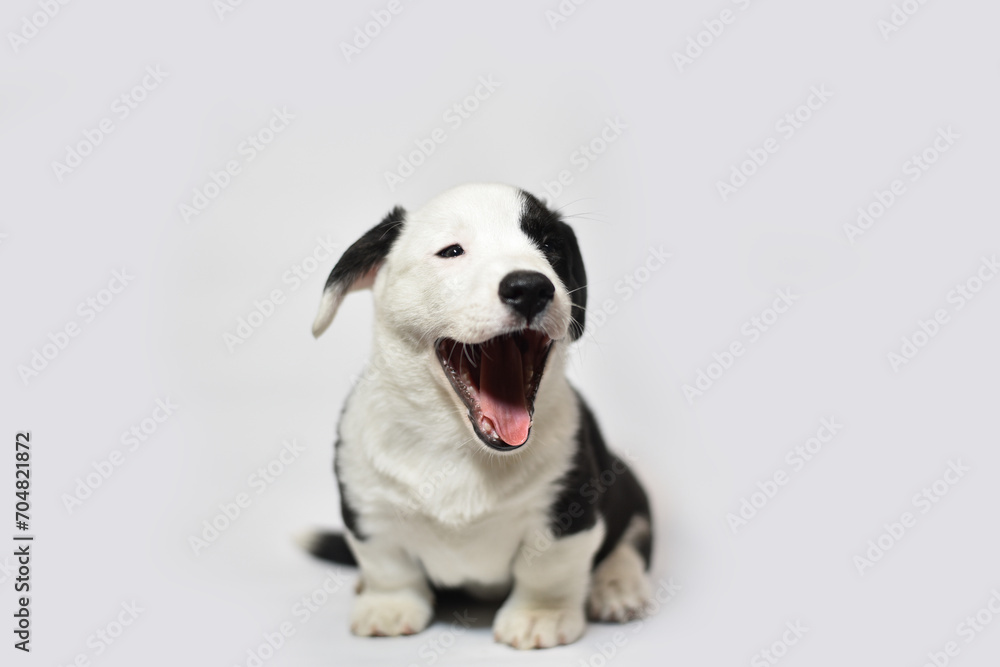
x,y
432,500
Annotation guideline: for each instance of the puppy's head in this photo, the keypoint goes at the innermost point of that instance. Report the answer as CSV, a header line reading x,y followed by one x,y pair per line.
x,y
483,281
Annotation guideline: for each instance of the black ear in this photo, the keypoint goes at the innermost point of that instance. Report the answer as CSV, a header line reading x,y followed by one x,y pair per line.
x,y
358,266
556,239
575,279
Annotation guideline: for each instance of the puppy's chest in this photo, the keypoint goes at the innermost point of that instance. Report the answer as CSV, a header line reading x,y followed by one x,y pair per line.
x,y
480,553
462,529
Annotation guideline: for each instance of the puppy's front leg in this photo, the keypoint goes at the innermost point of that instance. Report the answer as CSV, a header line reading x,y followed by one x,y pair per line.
x,y
395,598
546,605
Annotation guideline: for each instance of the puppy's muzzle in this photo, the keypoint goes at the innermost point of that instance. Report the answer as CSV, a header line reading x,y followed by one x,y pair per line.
x,y
527,292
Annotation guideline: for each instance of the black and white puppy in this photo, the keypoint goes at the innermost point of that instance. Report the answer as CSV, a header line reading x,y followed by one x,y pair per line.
x,y
464,458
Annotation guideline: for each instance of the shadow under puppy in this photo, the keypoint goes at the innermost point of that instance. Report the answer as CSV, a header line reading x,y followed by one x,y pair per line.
x,y
464,457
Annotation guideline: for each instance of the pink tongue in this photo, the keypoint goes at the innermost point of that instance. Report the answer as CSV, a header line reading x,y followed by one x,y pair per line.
x,y
501,391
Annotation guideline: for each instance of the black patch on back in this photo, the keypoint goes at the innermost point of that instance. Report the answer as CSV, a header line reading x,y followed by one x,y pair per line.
x,y
599,483
368,251
556,239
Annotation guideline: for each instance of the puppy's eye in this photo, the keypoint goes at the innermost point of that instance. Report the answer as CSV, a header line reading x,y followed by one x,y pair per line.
x,y
451,251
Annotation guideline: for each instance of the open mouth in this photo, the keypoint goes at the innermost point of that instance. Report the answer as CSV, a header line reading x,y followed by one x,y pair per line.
x,y
497,381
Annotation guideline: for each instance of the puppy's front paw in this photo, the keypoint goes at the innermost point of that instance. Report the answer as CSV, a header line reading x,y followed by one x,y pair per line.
x,y
528,626
404,612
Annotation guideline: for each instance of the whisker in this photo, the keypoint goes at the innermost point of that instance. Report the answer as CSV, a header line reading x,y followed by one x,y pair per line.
x,y
585,216
573,202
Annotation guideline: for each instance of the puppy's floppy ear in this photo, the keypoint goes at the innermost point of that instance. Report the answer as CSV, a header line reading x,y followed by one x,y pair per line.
x,y
546,228
577,279
358,266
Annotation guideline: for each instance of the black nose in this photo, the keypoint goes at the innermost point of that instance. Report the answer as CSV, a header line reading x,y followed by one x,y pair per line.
x,y
527,292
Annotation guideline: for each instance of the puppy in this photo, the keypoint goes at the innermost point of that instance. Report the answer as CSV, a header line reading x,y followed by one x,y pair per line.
x,y
464,457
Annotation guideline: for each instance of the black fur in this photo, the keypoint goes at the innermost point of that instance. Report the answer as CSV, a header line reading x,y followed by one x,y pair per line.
x,y
332,547
347,513
367,252
599,484
556,239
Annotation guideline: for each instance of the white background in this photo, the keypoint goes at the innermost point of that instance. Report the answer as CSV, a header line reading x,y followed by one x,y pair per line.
x,y
654,186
